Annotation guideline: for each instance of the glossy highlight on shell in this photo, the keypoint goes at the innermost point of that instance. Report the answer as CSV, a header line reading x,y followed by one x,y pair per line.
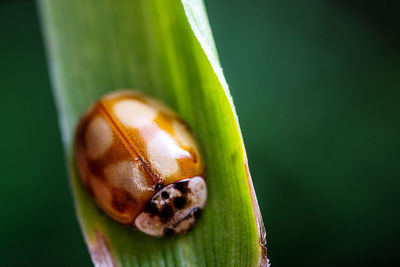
x,y
140,162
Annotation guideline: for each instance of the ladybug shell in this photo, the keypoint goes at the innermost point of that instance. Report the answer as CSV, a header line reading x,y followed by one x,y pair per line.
x,y
128,147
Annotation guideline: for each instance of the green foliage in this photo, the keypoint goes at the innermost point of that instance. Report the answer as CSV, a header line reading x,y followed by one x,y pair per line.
x,y
165,49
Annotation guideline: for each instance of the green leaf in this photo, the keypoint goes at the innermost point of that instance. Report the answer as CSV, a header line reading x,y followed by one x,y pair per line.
x,y
165,49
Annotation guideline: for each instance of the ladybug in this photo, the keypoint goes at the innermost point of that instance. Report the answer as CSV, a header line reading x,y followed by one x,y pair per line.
x,y
141,163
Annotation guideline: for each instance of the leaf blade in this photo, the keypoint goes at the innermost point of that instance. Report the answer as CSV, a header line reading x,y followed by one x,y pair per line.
x,y
165,48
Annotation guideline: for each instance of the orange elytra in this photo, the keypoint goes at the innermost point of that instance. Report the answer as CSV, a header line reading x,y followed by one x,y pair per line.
x,y
140,162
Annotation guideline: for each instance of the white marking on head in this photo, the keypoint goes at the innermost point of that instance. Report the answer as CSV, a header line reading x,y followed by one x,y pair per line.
x,y
198,192
99,137
127,175
182,217
162,151
134,113
149,225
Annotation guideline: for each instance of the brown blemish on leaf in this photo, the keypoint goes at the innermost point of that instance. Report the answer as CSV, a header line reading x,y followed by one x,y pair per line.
x,y
263,261
100,251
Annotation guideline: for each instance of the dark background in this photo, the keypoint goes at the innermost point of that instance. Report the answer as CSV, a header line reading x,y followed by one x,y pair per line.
x,y
316,86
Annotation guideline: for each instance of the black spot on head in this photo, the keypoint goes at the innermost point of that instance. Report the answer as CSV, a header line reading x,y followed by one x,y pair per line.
x,y
169,231
182,186
179,202
151,208
157,186
166,212
196,213
164,195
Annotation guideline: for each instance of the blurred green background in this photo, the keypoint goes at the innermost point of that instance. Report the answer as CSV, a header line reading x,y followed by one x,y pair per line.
x,y
316,86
